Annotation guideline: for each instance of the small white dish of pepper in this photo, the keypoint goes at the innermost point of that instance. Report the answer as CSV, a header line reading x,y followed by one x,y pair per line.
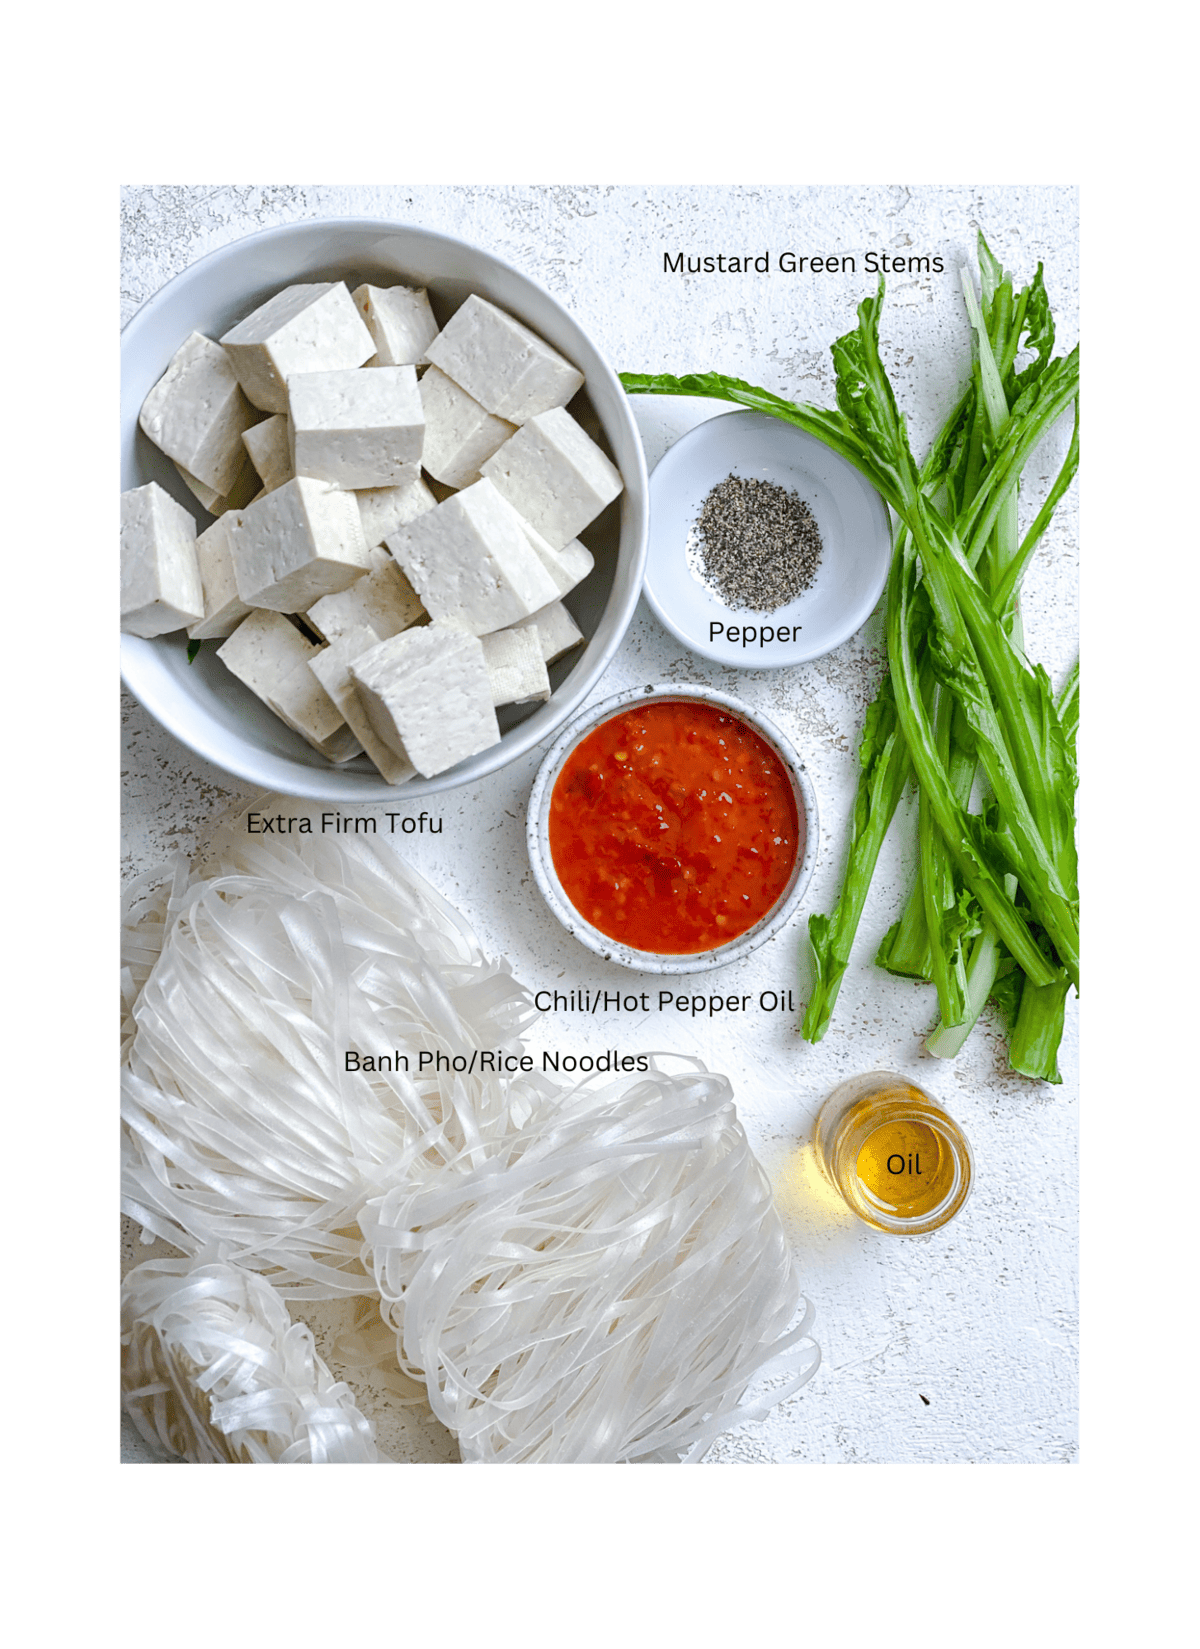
x,y
766,547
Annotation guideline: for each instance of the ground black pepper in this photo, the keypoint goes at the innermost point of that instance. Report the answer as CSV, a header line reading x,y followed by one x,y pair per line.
x,y
756,544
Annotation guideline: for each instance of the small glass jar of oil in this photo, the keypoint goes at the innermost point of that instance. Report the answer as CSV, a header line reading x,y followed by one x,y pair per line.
x,y
897,1159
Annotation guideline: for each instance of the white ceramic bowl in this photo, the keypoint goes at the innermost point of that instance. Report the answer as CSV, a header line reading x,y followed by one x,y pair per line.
x,y
537,833
202,704
856,541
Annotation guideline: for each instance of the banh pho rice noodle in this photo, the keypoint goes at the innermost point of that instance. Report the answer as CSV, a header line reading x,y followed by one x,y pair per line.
x,y
594,1274
214,1369
241,1124
603,1286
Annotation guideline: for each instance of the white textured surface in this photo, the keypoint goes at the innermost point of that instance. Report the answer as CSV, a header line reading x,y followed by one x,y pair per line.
x,y
980,1318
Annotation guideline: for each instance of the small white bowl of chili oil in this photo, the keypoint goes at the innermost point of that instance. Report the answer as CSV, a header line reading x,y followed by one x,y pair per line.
x,y
672,829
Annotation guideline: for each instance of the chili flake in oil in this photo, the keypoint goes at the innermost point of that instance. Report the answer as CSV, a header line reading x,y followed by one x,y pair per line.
x,y
673,827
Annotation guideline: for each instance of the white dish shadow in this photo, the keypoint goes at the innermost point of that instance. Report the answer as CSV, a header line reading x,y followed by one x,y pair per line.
x,y
856,541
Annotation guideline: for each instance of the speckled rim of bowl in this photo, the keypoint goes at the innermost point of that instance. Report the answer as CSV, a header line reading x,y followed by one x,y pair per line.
x,y
161,683
537,833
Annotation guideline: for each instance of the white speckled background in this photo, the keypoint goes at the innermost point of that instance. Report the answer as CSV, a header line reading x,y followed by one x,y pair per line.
x,y
979,1318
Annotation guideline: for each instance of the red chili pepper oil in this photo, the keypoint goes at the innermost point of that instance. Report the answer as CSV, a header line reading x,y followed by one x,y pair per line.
x,y
673,827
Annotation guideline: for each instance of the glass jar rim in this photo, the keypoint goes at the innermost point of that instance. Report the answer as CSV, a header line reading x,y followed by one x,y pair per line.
x,y
852,1133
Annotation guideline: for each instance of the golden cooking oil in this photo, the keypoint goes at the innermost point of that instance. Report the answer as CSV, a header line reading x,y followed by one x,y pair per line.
x,y
899,1161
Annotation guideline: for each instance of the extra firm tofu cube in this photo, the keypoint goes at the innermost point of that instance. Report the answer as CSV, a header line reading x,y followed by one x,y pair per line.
x,y
264,649
269,654
384,510
471,562
331,667
507,368
459,434
243,491
296,704
400,321
160,576
557,631
382,603
270,447
428,696
568,566
311,328
357,429
555,475
224,609
296,544
515,666
196,414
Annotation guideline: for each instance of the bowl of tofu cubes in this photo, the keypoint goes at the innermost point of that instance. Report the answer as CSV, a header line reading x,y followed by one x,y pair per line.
x,y
383,515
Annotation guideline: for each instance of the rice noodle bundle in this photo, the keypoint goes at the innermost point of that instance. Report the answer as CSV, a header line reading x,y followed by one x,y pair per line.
x,y
242,1124
213,1369
145,913
595,1275
602,1285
